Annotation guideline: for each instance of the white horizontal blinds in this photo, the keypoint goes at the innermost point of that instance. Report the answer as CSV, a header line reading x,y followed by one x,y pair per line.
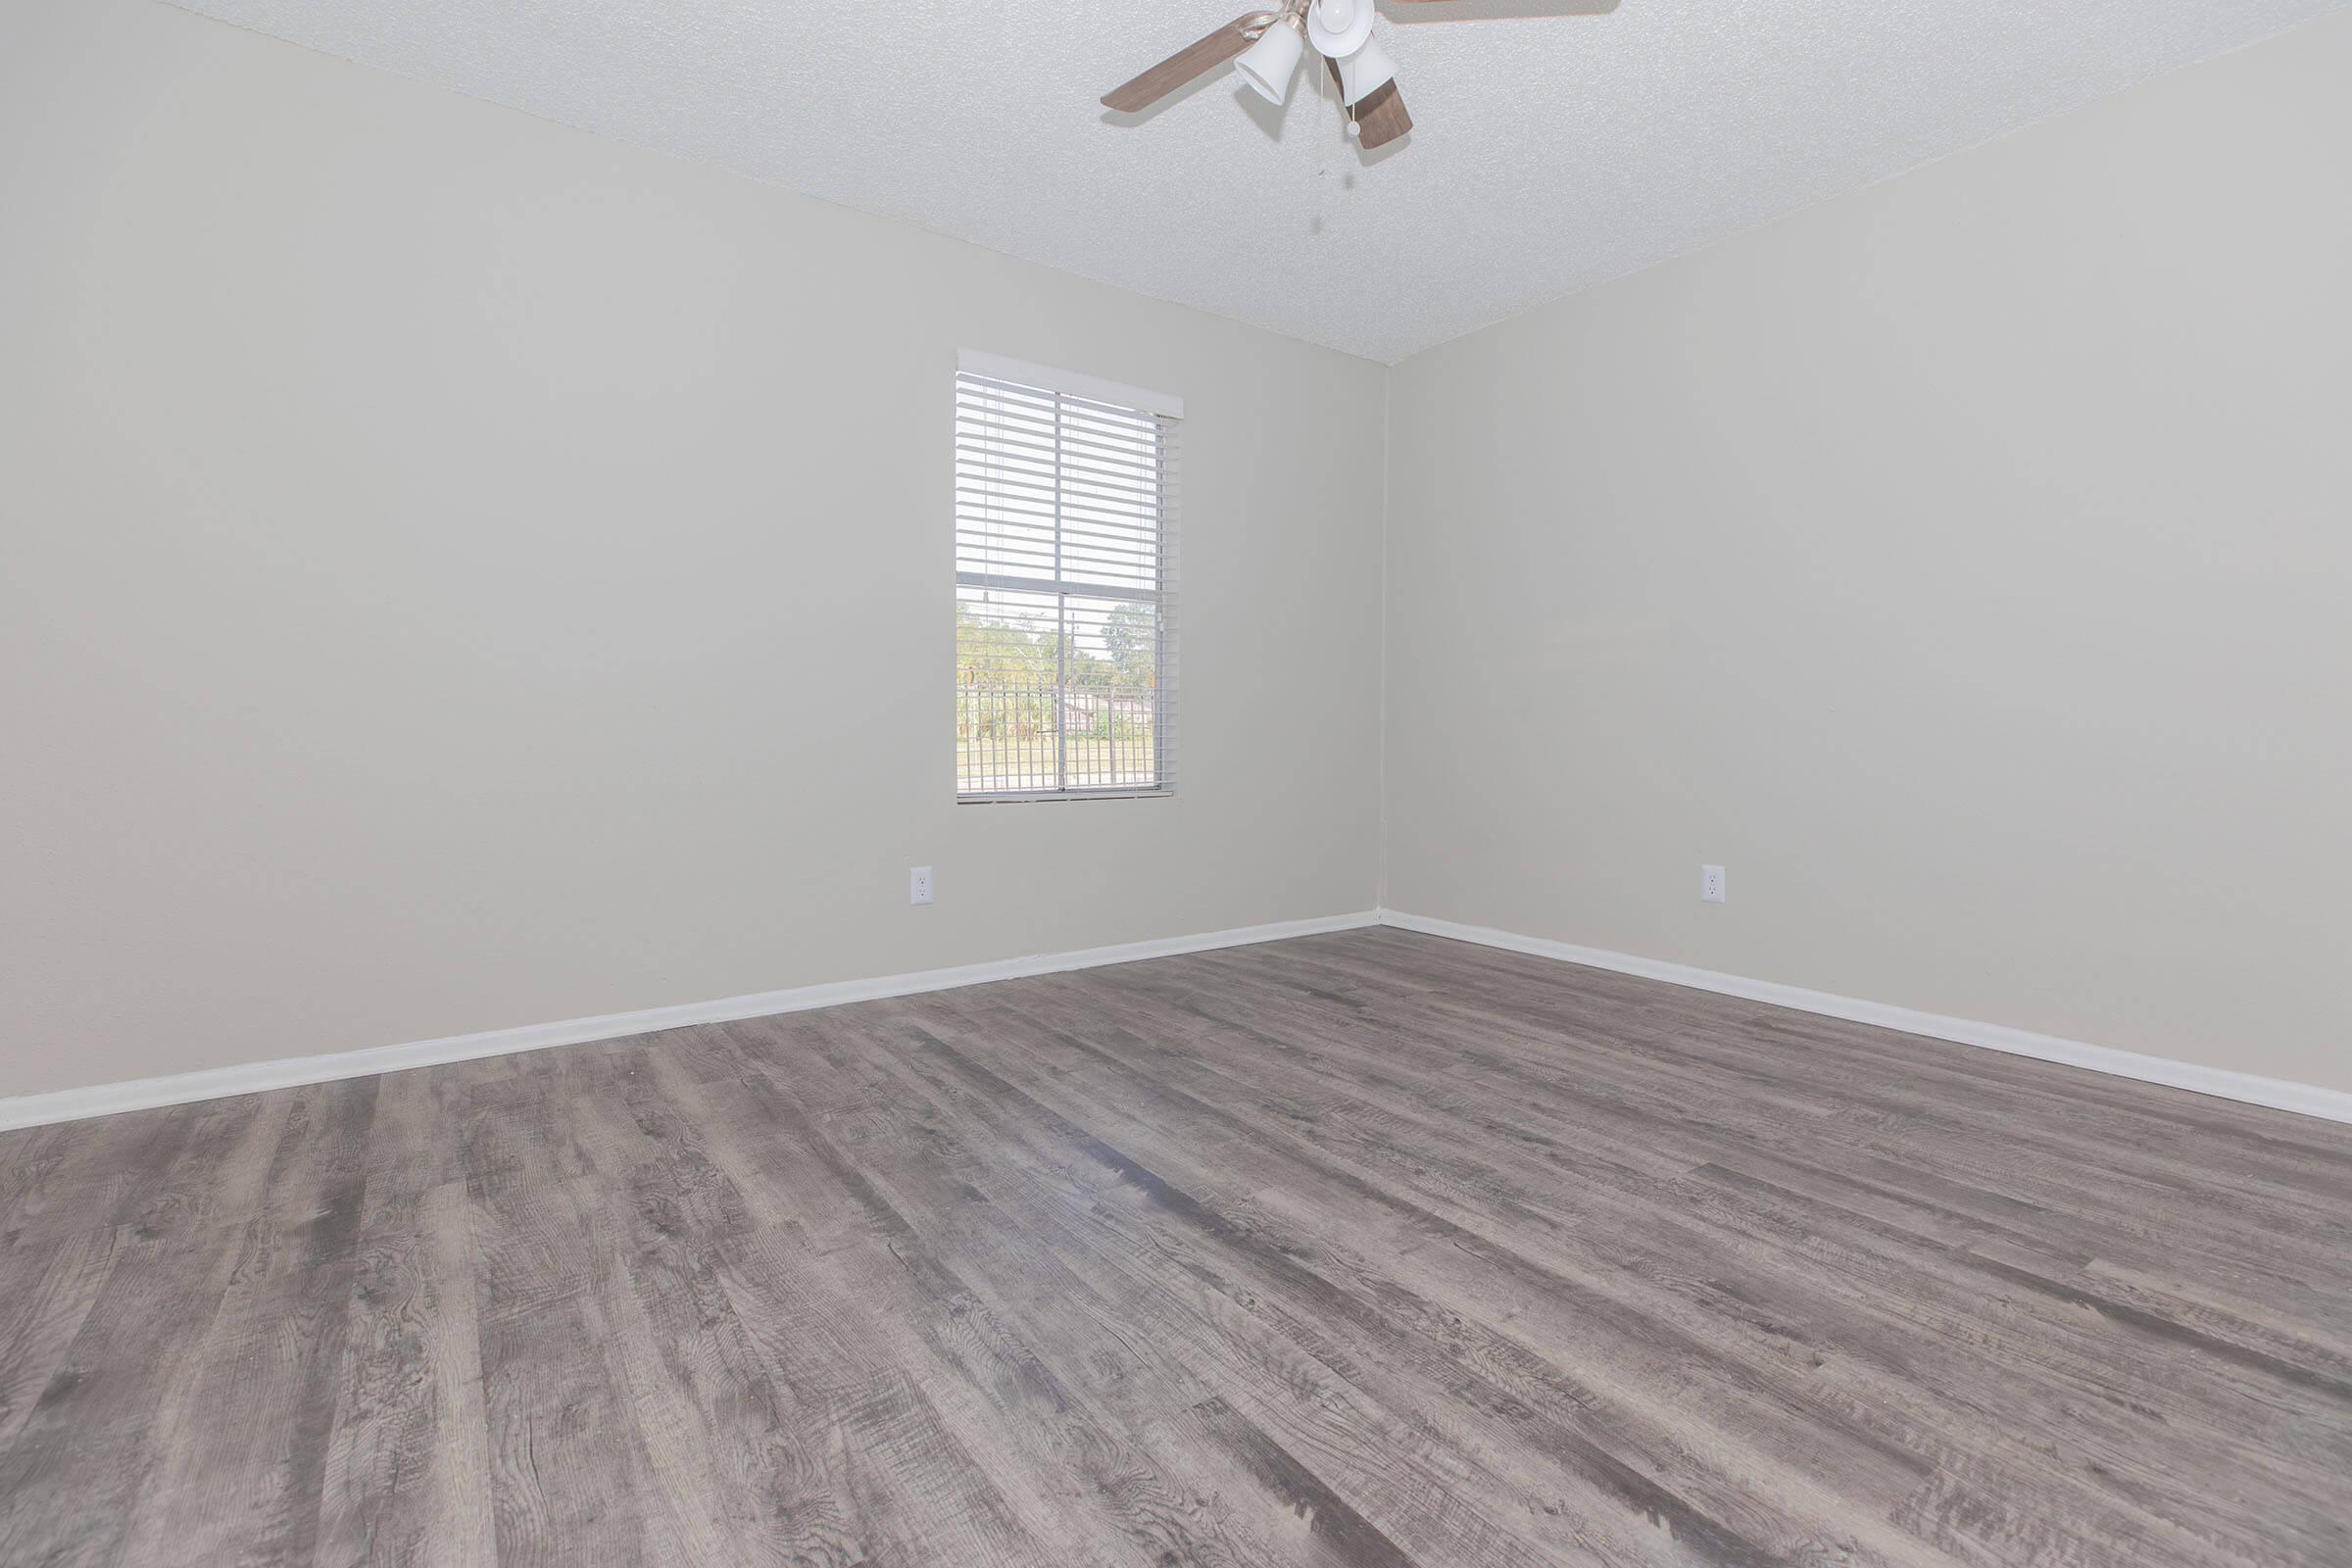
x,y
1064,592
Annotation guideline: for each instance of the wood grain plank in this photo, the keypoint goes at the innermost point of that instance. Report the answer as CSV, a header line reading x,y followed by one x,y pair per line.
x,y
1367,1249
407,1459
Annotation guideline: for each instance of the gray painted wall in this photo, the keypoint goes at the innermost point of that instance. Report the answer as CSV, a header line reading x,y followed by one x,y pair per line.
x,y
442,551
1965,563
463,572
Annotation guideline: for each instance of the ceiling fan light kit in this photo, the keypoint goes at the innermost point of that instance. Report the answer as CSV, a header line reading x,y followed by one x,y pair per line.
x,y
1269,63
1338,28
1265,48
1365,72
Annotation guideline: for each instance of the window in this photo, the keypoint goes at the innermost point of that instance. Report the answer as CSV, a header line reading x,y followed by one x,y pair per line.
x,y
1066,585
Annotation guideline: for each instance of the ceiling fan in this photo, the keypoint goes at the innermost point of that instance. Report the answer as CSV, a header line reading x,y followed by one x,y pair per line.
x,y
1265,48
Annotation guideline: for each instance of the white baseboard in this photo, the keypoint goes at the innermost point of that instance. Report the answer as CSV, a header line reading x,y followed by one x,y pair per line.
x,y
106,1100
215,1083
2333,1105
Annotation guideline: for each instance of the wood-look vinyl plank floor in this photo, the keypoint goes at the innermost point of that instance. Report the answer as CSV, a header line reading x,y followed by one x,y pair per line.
x,y
1371,1249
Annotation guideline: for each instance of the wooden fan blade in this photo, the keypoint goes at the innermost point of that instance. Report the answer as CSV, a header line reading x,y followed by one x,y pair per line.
x,y
1192,61
1380,116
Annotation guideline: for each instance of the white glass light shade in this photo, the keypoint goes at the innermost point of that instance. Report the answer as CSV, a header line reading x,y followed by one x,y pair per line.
x,y
1368,69
1338,28
1269,63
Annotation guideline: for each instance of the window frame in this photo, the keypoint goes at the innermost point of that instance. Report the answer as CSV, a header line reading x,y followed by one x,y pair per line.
x,y
1165,408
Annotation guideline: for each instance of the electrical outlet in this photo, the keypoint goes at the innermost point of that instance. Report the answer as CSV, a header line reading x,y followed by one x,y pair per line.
x,y
1710,883
919,885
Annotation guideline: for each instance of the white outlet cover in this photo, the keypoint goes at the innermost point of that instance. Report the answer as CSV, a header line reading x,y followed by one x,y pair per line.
x,y
1710,883
919,885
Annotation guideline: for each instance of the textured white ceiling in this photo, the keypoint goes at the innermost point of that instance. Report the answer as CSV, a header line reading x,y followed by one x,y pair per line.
x,y
1558,143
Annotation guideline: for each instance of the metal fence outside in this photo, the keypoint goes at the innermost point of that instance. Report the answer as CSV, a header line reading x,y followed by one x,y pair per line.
x,y
1015,737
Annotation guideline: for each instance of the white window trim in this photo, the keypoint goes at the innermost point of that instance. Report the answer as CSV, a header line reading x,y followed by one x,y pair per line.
x,y
1094,389
1070,382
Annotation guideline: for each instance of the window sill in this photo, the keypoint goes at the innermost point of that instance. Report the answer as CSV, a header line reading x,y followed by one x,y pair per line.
x,y
1157,793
